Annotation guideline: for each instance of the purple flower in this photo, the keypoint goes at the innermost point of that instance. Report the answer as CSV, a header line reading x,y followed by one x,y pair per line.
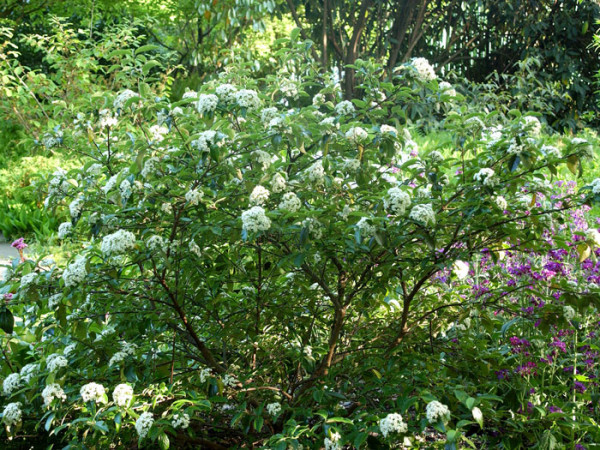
x,y
555,409
19,244
580,387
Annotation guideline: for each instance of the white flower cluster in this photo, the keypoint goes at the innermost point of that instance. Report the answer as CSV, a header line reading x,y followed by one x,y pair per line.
x,y
12,414
388,129
357,135
207,103
226,92
55,362
193,196
144,423
259,195
533,123
314,227
585,146
263,158
107,120
120,100
423,214
247,98
274,408
150,167
51,392
122,395
205,140
75,272
189,94
315,173
181,421
568,312
126,189
366,229
319,99
58,185
92,392
392,423
69,349
487,177
229,380
550,150
204,374
289,88
333,441
290,202
501,202
28,371
344,108
268,114
110,184
126,350
75,207
155,243
254,220
278,183
329,125
11,384
424,70
595,186
436,411
447,88
118,242
592,235
397,201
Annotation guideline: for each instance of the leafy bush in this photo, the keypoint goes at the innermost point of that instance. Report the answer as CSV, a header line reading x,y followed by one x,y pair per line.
x,y
259,267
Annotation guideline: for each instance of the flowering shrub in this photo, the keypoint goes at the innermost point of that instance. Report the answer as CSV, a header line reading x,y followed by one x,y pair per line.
x,y
266,261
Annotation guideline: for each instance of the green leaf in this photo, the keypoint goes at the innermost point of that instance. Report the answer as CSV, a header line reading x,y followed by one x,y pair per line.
x,y
146,48
49,420
163,441
149,65
7,321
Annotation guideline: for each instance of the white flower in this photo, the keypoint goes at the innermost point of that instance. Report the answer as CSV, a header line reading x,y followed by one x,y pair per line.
x,y
475,122
268,114
366,229
195,249
51,392
550,150
122,395
314,227
193,196
107,120
28,279
155,243
595,186
110,184
144,423
92,392
55,362
263,158
11,383
487,177
356,134
289,88
447,88
95,169
344,108
316,173
259,195
461,269
585,146
333,441
189,94
329,125
254,220
278,183
28,371
119,242
207,103
397,201
167,208
274,408
568,312
423,214
12,414
150,167
392,423
592,235
533,123
318,99
247,98
388,129
125,189
181,421
226,93
424,70
69,349
436,411
127,350
501,202
229,380
120,100
75,272
204,374
205,140
75,207
290,202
